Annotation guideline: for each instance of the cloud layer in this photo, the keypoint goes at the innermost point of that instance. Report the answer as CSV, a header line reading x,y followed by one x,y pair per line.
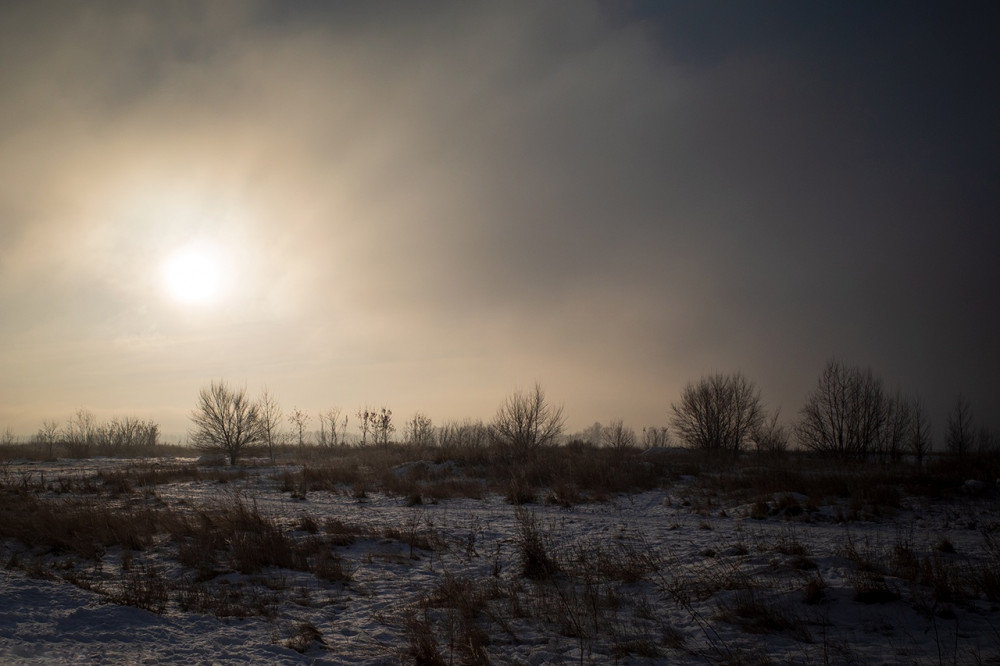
x,y
429,207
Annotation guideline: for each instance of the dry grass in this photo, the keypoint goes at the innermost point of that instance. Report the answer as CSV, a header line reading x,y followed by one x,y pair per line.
x,y
532,547
303,637
143,587
83,528
597,590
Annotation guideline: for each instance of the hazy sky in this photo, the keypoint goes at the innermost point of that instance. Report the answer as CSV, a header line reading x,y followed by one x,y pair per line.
x,y
428,205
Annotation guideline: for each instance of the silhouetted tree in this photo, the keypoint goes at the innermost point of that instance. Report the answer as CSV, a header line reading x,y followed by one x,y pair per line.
x,y
80,431
382,427
419,430
618,436
719,414
961,431
225,421
270,421
299,421
771,437
897,428
463,434
526,421
331,427
127,434
653,436
920,432
846,414
47,436
366,422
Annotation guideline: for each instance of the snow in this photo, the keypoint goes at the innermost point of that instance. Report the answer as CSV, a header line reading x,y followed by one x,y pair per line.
x,y
712,561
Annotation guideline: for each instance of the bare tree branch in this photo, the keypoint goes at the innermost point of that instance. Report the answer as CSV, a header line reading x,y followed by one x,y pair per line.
x,y
225,421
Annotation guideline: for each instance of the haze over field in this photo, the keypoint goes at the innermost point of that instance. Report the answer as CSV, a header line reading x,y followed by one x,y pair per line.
x,y
426,205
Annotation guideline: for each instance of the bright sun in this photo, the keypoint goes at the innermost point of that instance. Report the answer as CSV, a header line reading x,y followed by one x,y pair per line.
x,y
193,274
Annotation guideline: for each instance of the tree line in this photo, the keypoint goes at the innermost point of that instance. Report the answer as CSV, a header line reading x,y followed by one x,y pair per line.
x,y
228,421
850,414
83,435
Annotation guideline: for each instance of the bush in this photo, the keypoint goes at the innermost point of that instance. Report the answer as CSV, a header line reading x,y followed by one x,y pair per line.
x,y
536,563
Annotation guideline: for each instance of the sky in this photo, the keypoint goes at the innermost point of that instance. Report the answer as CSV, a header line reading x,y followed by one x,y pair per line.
x,y
427,206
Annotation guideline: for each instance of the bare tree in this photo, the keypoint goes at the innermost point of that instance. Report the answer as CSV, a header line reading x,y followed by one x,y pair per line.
x,y
846,414
366,419
270,421
325,439
80,431
332,427
526,421
419,430
618,436
719,414
961,432
920,432
897,428
771,437
382,427
655,437
47,436
226,421
299,420
127,434
467,433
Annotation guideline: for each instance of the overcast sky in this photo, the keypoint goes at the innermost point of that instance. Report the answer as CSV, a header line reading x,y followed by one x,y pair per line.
x,y
428,205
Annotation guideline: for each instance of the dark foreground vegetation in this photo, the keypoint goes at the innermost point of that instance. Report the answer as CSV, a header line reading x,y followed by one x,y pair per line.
x,y
266,540
753,541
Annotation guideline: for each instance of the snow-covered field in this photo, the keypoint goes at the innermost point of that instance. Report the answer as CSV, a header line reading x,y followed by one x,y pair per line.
x,y
682,574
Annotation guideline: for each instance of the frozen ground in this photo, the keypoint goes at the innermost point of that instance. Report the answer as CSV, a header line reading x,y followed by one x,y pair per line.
x,y
677,575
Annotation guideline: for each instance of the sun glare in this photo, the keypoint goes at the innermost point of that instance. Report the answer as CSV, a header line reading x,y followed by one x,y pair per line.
x,y
193,274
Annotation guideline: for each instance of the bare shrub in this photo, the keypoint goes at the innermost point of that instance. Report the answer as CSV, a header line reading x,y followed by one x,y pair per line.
x,y
269,416
814,591
225,601
526,421
327,565
466,601
303,637
254,540
225,421
520,491
419,431
143,587
464,434
80,528
628,560
961,431
344,534
756,613
987,573
719,414
618,436
770,438
536,562
850,415
240,535
421,648
871,587
655,437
